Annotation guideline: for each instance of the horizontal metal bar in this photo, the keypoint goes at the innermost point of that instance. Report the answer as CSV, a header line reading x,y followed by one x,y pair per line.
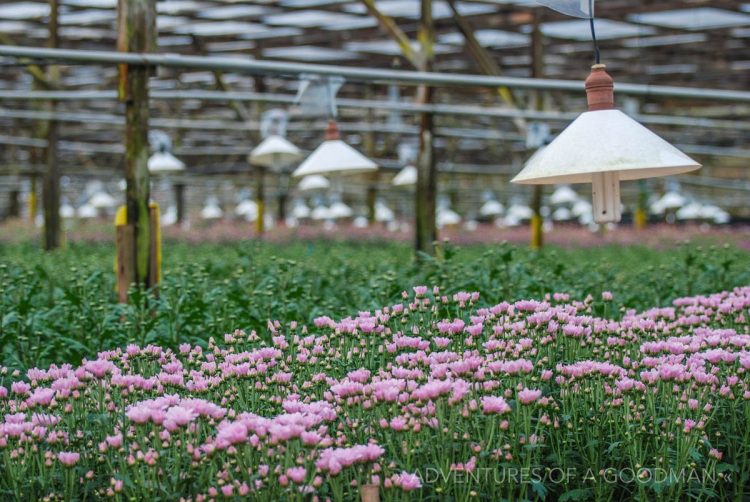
x,y
405,107
377,75
228,125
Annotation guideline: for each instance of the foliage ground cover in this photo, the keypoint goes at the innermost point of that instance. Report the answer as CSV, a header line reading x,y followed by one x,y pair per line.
x,y
431,397
62,306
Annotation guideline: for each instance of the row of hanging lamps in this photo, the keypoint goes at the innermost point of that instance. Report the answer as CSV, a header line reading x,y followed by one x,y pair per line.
x,y
603,146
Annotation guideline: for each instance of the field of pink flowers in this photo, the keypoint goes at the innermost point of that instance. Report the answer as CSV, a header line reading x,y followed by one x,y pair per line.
x,y
432,398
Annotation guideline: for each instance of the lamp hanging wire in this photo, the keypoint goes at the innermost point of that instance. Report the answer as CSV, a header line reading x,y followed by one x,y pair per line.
x,y
576,8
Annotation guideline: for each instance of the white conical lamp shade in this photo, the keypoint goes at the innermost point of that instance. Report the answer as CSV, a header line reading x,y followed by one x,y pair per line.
x,y
603,147
407,176
164,162
274,152
604,141
313,182
333,156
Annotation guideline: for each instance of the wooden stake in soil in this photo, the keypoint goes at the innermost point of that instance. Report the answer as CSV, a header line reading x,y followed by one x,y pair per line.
x,y
136,22
51,180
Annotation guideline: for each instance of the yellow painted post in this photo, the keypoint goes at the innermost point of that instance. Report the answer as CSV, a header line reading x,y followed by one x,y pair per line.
x,y
537,231
640,219
32,202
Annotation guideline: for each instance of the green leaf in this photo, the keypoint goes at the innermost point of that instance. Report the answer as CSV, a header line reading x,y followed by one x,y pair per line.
x,y
577,494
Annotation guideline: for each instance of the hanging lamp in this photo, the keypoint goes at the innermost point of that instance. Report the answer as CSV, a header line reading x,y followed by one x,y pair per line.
x,y
333,156
604,146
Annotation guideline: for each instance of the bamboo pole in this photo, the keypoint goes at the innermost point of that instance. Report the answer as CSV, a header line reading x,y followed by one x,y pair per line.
x,y
426,190
51,180
537,71
137,33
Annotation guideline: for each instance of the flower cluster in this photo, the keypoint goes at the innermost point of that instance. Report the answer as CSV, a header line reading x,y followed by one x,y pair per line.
x,y
433,384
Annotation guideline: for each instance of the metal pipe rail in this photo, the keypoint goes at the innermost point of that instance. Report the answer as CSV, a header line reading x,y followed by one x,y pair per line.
x,y
404,107
376,75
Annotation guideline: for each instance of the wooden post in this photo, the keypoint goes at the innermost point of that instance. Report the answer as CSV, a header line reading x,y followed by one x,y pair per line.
x,y
179,195
125,249
14,206
368,144
537,71
426,190
281,197
51,181
136,22
260,200
154,264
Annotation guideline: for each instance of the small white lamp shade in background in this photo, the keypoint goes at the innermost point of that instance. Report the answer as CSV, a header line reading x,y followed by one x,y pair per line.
x,y
211,210
86,212
604,146
689,212
313,182
519,212
333,156
169,217
274,152
562,214
66,210
383,213
339,210
715,214
670,201
563,194
300,210
446,217
320,212
361,222
406,177
247,209
163,162
102,200
491,208
582,208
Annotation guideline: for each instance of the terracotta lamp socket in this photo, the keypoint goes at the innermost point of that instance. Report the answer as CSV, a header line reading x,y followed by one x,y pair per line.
x,y
600,89
332,131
